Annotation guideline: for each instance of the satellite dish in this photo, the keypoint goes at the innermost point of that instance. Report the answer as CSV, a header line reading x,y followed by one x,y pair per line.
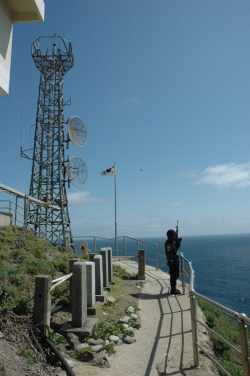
x,y
77,171
77,131
84,247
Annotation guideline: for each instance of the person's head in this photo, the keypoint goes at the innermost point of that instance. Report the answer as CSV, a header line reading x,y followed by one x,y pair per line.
x,y
171,234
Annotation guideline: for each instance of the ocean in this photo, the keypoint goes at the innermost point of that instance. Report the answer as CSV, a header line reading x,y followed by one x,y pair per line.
x,y
221,264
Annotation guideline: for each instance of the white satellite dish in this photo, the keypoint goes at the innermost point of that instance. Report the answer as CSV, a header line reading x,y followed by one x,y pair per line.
x,y
84,247
77,131
77,171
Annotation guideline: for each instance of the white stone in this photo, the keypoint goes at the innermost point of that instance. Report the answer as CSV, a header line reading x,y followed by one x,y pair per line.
x,y
81,346
114,338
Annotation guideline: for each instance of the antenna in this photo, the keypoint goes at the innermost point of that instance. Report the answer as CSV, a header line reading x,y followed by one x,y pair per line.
x,y
77,171
77,131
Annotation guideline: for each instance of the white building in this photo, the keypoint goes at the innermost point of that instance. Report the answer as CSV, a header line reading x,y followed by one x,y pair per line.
x,y
14,11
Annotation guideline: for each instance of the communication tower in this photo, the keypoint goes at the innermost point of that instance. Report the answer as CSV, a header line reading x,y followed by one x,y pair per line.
x,y
51,170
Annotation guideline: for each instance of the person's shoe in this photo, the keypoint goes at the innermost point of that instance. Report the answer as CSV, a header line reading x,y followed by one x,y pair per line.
x,y
175,292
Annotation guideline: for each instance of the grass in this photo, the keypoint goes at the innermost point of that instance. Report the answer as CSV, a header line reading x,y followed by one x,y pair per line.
x,y
19,267
229,330
18,270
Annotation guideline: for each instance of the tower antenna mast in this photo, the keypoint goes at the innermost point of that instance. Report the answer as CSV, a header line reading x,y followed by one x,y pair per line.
x,y
53,57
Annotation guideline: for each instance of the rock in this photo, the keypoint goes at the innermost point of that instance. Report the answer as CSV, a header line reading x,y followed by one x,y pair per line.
x,y
81,346
73,340
131,329
130,309
125,325
85,356
96,348
134,316
128,340
72,336
71,362
125,319
114,338
100,361
111,299
60,372
94,342
106,342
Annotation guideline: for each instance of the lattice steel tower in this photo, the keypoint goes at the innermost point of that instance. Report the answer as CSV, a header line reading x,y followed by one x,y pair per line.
x,y
50,170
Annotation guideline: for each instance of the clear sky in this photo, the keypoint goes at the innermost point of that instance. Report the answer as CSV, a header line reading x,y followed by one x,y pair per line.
x,y
163,87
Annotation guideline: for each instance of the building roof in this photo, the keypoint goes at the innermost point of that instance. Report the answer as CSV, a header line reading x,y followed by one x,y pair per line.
x,y
25,10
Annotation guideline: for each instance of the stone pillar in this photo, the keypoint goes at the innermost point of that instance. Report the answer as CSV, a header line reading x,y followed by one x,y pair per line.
x,y
91,256
98,275
42,302
104,254
90,267
110,265
79,295
71,263
141,263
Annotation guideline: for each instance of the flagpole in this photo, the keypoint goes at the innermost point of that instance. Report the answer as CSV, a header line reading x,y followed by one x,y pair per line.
x,y
116,246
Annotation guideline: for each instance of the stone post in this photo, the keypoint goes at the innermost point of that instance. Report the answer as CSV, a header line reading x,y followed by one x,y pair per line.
x,y
104,254
141,263
42,303
110,265
91,256
98,275
71,263
79,295
90,267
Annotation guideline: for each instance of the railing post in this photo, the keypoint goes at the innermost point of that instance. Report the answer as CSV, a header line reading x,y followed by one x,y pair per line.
x,y
42,302
137,247
25,214
156,257
16,209
244,346
124,245
182,275
194,329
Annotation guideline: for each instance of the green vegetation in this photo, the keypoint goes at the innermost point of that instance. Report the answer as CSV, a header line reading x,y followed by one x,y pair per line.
x,y
27,352
19,267
229,330
120,272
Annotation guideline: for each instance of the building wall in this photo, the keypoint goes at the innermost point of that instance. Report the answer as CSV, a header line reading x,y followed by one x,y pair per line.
x,y
14,11
6,29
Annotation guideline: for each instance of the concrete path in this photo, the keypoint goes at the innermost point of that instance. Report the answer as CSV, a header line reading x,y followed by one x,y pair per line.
x,y
164,342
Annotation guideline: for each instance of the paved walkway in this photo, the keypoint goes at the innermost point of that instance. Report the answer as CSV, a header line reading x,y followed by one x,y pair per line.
x,y
164,342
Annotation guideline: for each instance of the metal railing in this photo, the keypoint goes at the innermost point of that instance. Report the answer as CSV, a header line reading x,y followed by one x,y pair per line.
x,y
242,319
19,213
128,248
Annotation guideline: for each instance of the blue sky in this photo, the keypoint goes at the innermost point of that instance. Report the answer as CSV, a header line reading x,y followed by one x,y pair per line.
x,y
163,88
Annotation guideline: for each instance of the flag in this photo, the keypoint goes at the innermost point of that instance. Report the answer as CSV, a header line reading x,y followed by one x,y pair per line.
x,y
109,171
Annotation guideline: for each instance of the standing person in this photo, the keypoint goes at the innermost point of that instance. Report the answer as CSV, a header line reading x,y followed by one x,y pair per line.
x,y
172,245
